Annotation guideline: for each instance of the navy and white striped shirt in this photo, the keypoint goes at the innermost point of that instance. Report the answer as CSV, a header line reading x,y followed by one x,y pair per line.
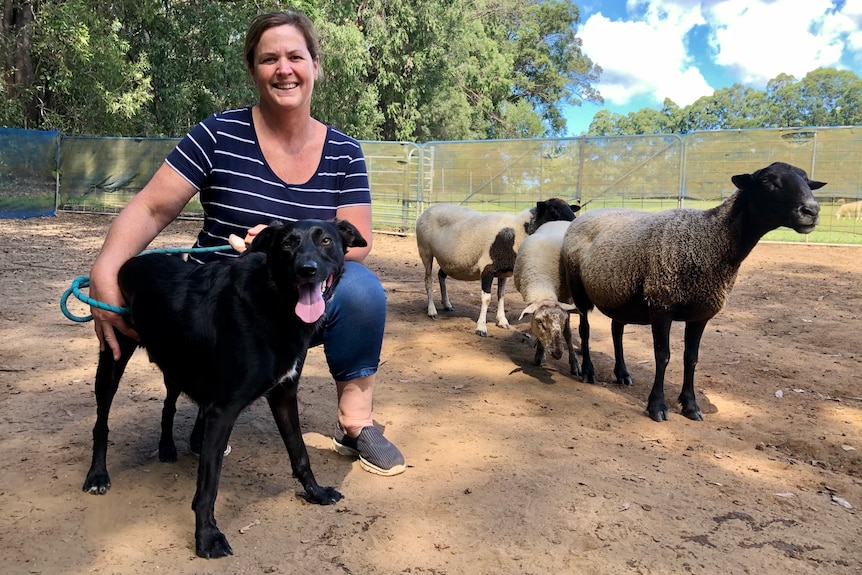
x,y
222,159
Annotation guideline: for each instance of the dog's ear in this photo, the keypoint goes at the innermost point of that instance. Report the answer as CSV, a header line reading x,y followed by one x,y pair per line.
x,y
265,239
350,235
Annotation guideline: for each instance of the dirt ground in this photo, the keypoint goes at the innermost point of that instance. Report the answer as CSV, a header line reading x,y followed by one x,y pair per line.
x,y
512,468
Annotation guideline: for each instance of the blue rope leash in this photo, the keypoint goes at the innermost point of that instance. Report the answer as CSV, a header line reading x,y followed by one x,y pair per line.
x,y
83,282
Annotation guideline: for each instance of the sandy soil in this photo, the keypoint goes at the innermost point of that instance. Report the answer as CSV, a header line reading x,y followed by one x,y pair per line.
x,y
512,468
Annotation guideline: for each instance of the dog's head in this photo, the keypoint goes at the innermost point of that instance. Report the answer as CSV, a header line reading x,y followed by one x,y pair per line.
x,y
306,257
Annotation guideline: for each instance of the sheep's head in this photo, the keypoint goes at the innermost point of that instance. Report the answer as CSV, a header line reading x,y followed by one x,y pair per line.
x,y
552,210
780,195
548,323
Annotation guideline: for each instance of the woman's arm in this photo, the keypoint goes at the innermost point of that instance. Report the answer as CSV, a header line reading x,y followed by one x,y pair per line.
x,y
147,214
359,216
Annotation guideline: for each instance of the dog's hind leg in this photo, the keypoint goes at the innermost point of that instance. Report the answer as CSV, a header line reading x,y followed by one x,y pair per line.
x,y
167,447
108,375
282,402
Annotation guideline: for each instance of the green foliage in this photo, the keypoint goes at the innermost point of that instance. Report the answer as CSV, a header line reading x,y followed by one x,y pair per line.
x,y
825,97
342,96
84,76
417,71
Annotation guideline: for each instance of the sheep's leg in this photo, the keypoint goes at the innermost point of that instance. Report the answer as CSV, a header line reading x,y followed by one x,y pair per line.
x,y
444,293
482,322
501,311
429,290
540,353
588,372
693,333
620,370
657,406
573,361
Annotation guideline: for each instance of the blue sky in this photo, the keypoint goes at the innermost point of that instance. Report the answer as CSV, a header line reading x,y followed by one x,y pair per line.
x,y
650,50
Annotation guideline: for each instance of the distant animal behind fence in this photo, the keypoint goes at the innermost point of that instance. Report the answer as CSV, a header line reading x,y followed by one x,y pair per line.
x,y
851,210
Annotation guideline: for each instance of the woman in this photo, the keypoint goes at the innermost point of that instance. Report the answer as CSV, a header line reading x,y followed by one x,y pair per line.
x,y
251,166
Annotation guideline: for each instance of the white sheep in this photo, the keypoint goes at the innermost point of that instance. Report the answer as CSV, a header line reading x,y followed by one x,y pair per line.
x,y
538,277
851,210
676,265
469,245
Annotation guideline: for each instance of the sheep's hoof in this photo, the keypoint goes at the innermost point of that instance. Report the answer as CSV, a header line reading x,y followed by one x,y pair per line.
x,y
590,378
481,333
694,415
625,380
658,413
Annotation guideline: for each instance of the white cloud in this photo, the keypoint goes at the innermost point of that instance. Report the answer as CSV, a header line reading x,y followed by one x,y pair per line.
x,y
758,39
646,58
644,54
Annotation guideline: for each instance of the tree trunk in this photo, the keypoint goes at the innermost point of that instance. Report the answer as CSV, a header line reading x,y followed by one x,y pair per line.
x,y
16,39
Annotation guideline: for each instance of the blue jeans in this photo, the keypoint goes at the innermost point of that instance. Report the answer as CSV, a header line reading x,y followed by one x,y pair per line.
x,y
352,335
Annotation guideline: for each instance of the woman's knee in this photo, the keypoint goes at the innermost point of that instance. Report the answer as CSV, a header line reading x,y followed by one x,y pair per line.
x,y
359,294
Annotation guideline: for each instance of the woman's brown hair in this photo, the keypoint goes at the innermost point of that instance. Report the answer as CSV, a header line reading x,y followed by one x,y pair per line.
x,y
264,22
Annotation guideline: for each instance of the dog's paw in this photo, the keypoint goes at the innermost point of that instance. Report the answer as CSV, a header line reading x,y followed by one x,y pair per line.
x,y
212,545
322,495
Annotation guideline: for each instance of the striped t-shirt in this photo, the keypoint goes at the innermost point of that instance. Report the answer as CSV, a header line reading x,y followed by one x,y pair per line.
x,y
222,159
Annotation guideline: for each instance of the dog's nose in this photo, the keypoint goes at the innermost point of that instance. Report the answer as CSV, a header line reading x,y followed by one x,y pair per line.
x,y
307,270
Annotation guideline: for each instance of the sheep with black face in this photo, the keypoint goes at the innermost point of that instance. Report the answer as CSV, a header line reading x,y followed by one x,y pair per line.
x,y
676,265
470,245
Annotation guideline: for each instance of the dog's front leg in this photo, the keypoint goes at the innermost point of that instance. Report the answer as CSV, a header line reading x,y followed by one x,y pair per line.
x,y
282,402
108,375
218,423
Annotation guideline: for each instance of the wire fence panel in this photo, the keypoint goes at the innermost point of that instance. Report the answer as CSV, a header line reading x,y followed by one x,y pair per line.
x,y
40,172
102,174
640,172
394,173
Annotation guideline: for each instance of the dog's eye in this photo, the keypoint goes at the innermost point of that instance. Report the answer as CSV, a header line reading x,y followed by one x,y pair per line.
x,y
326,241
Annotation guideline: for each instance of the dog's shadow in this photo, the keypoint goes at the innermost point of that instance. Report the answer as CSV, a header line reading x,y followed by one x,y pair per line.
x,y
257,464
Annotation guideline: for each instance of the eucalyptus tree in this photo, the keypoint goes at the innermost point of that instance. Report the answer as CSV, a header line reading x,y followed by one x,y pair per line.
x,y
70,67
459,69
830,97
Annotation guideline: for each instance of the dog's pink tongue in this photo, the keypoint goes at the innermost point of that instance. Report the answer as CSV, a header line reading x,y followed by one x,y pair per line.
x,y
311,305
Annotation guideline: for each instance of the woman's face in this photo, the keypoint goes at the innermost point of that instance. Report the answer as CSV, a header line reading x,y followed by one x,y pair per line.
x,y
284,71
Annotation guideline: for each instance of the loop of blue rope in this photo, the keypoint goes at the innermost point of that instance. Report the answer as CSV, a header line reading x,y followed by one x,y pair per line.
x,y
83,282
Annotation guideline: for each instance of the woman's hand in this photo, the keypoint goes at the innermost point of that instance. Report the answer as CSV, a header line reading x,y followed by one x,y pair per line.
x,y
240,244
108,323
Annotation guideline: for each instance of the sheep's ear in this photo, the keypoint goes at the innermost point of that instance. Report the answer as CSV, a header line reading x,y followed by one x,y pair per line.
x,y
575,207
743,181
567,306
540,209
814,184
529,309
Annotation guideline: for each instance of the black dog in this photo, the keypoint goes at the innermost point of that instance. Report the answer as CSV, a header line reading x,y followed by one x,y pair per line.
x,y
226,333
